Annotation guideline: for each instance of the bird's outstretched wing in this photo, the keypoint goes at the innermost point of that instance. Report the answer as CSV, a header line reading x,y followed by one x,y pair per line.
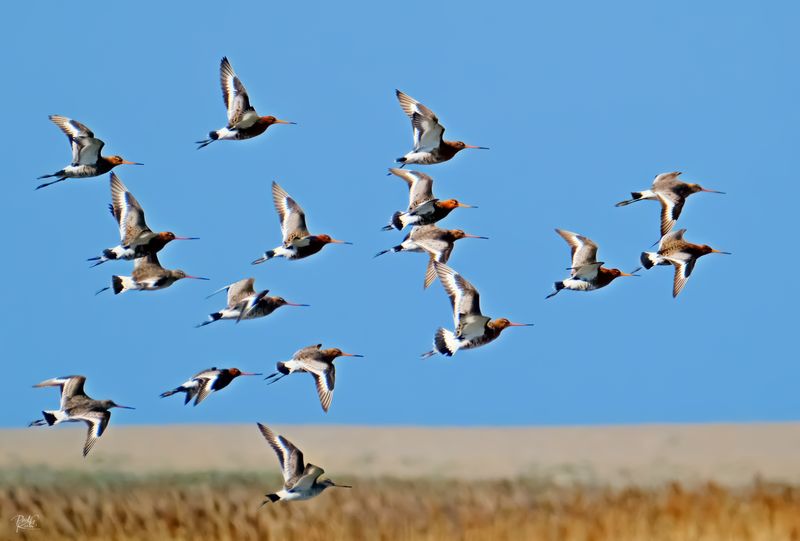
x,y
241,115
127,211
427,130
85,146
420,186
69,385
292,217
289,457
464,298
97,421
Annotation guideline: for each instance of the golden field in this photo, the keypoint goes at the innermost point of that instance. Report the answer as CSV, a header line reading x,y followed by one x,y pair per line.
x,y
638,483
227,508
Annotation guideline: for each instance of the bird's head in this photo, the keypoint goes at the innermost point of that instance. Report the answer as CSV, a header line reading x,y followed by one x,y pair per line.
x,y
329,483
270,120
453,203
327,239
235,372
333,353
178,274
706,249
502,323
108,404
461,145
280,301
458,234
697,188
119,160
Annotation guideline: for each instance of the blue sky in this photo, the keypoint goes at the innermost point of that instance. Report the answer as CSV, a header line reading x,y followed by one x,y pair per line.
x,y
580,104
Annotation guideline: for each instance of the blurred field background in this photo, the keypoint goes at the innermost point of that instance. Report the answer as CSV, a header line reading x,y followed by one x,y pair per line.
x,y
671,482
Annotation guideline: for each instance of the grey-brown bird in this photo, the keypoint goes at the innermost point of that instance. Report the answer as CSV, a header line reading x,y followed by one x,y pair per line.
x,y
319,363
671,192
429,144
436,242
301,481
147,275
136,239
673,250
245,303
77,406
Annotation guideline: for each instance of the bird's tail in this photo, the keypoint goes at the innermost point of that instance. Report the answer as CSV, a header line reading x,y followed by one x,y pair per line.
x,y
216,316
50,417
269,254
650,258
121,283
393,249
444,343
637,196
108,255
212,136
395,222
558,286
270,498
170,393
60,178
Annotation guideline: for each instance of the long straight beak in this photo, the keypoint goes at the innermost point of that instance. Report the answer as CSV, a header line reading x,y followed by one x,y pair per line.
x,y
711,191
186,238
341,486
196,277
476,148
713,251
465,206
278,121
628,274
336,241
468,236
295,304
633,272
131,163
350,355
520,324
251,374
124,407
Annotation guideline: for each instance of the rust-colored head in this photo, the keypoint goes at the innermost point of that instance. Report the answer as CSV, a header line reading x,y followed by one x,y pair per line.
x,y
503,323
332,353
453,203
270,120
235,373
326,239
168,236
616,273
119,160
461,145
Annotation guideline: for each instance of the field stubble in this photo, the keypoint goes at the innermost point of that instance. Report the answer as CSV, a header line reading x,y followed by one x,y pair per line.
x,y
226,507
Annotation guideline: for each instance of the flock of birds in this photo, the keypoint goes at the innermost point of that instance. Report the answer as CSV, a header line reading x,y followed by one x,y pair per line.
x,y
471,327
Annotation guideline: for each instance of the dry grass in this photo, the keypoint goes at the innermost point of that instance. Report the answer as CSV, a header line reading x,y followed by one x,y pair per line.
x,y
226,508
